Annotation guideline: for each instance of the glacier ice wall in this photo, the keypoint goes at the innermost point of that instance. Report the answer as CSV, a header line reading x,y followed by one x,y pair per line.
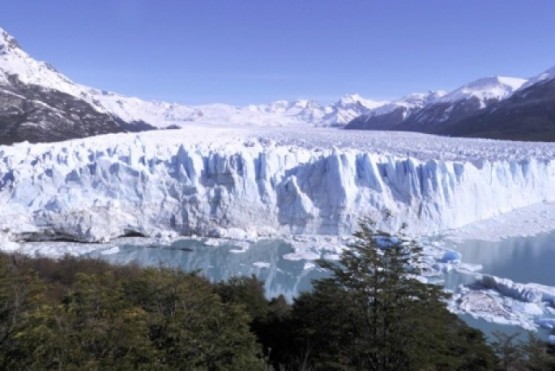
x,y
98,189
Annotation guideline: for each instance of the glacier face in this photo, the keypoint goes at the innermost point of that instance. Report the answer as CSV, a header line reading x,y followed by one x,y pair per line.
x,y
262,182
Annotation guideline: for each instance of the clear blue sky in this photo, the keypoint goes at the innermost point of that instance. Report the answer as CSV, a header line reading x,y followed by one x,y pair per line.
x,y
241,51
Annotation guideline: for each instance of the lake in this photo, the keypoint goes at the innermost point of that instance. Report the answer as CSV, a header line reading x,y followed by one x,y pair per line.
x,y
522,259
266,259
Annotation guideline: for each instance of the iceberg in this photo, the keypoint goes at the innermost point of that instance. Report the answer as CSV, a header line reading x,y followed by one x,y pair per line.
x,y
512,289
451,257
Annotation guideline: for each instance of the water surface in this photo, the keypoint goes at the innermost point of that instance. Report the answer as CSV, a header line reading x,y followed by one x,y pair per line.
x,y
266,259
521,259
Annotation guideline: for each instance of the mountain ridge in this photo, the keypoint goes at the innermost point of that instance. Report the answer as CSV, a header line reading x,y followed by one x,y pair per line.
x,y
495,107
75,110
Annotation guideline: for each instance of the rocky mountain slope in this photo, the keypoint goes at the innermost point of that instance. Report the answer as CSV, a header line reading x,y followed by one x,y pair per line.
x,y
434,111
528,114
37,103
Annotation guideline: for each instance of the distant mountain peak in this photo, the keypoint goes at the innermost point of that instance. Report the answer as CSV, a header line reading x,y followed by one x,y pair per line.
x,y
486,88
545,76
511,83
350,100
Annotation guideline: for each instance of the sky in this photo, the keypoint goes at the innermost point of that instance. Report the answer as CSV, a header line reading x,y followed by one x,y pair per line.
x,y
257,51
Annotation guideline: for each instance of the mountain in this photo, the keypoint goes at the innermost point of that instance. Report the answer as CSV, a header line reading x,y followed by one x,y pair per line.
x,y
348,108
38,104
278,113
528,114
393,114
432,112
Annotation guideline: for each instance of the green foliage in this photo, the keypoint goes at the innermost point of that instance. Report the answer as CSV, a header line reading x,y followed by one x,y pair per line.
x,y
20,293
92,328
532,355
191,325
246,291
373,314
118,318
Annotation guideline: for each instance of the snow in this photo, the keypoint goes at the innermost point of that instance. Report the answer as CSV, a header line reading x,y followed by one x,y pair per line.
x,y
279,113
251,182
503,301
484,89
409,102
246,173
15,61
545,76
527,221
356,99
348,108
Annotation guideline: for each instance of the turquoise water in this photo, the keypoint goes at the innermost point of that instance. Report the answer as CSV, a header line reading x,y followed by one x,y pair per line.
x,y
521,259
264,259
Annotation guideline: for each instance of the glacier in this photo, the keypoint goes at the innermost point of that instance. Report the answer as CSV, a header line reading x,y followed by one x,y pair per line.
x,y
256,182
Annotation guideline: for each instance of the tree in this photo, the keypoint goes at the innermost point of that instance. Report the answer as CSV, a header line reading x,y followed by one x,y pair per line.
x,y
246,291
93,328
373,313
513,354
20,292
191,326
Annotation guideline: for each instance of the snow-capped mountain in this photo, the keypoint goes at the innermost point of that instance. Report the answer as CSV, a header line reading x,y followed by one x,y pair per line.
x,y
348,108
15,62
39,104
484,90
390,115
429,112
527,114
51,112
278,113
545,76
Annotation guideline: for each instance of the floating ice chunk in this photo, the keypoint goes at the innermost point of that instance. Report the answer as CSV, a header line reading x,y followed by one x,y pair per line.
x,y
451,257
528,309
301,255
309,265
548,323
514,290
110,251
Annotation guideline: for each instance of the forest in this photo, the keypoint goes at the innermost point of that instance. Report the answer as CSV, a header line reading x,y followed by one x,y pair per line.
x,y
371,313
